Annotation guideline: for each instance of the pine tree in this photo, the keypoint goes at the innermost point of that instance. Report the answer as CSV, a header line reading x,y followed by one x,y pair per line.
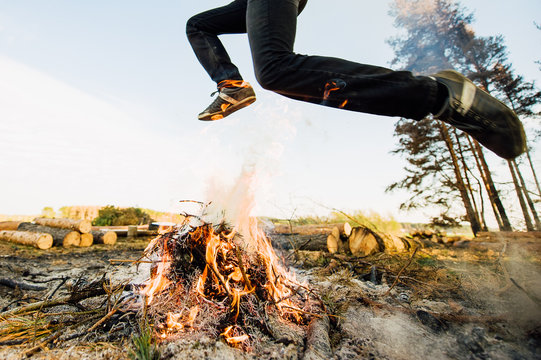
x,y
488,63
434,177
438,34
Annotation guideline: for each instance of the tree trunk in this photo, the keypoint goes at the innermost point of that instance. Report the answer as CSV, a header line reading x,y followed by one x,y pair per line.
x,y
345,230
527,219
104,237
527,196
83,226
38,240
9,225
497,206
533,172
481,215
472,216
487,186
61,237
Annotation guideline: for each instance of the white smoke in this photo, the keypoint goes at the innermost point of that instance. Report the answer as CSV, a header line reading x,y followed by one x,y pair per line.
x,y
235,200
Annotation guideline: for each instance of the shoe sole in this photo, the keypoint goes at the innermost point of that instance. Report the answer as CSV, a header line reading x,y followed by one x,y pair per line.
x,y
231,109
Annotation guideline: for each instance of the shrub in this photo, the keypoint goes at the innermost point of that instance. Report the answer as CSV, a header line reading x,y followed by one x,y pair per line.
x,y
110,215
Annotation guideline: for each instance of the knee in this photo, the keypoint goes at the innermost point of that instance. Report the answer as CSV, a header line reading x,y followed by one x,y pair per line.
x,y
267,80
271,73
193,25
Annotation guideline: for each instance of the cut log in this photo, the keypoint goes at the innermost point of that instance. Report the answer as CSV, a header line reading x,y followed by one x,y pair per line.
x,y
316,242
345,231
388,243
61,237
318,342
86,240
104,237
332,243
9,225
335,241
399,243
38,240
83,226
363,242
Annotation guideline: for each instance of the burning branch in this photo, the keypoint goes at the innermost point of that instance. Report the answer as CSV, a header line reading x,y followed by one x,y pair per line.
x,y
203,266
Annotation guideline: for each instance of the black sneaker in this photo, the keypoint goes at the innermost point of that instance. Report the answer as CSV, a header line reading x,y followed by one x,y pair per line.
x,y
233,95
482,116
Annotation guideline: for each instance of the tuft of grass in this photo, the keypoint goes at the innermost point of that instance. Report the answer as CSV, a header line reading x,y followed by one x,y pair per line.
x,y
427,260
143,345
371,219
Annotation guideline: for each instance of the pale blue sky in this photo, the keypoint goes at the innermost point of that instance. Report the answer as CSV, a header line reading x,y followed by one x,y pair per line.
x,y
98,105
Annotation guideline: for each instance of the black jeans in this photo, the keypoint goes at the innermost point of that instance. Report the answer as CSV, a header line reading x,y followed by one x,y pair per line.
x,y
271,27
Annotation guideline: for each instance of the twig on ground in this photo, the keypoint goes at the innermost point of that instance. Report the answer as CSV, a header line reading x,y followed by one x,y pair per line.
x,y
306,312
45,281
401,271
103,319
69,299
42,344
51,294
21,285
132,261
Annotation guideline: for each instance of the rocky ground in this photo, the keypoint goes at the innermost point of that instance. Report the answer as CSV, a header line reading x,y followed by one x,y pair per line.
x,y
442,301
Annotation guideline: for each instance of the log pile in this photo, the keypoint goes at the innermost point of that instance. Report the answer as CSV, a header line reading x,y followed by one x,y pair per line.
x,y
363,241
61,237
130,231
43,233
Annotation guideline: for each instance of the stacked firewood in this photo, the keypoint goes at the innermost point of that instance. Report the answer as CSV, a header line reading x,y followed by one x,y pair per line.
x,y
362,241
44,233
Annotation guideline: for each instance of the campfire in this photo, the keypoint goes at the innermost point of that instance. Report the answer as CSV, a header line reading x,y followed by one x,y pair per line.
x,y
213,279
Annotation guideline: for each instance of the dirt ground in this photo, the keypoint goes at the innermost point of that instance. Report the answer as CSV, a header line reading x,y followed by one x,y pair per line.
x,y
445,302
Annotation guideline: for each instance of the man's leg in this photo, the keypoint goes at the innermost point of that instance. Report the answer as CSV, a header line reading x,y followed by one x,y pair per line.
x,y
271,27
202,31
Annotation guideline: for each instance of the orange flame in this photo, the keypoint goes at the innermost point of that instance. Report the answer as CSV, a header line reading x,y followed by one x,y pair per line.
x,y
277,276
233,83
159,282
224,270
329,87
173,323
233,340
